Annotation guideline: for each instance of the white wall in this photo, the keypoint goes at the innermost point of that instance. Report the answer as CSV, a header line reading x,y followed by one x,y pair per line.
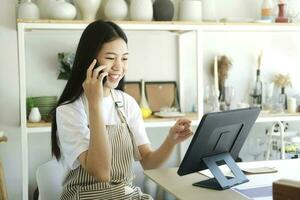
x,y
10,153
280,55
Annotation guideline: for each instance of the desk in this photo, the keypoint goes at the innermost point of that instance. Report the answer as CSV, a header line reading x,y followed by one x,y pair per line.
x,y
181,186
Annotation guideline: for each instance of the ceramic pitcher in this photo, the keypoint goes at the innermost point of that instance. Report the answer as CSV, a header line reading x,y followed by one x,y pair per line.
x,y
141,10
116,9
88,8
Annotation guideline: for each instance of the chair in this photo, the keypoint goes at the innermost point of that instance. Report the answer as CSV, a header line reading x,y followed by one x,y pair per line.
x,y
3,191
49,177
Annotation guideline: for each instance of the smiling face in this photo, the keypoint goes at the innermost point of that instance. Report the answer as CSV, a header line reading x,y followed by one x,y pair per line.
x,y
114,55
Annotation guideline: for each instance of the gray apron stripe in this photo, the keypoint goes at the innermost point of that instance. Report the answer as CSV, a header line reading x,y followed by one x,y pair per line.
x,y
136,153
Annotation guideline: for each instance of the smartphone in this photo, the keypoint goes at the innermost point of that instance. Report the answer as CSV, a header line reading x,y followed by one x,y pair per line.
x,y
97,65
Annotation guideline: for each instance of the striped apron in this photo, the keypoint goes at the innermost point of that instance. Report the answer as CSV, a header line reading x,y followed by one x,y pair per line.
x,y
79,185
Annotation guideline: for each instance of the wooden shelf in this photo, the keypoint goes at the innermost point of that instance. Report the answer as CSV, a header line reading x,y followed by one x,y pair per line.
x,y
51,21
173,26
152,121
272,117
38,124
280,114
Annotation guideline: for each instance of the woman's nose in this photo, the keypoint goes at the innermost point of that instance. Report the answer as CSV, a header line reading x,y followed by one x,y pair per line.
x,y
117,64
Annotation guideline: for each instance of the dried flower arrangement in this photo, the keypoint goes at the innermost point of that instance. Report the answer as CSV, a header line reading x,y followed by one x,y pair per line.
x,y
224,64
282,80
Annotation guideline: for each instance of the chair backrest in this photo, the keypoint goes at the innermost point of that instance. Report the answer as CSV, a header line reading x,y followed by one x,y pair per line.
x,y
49,178
3,192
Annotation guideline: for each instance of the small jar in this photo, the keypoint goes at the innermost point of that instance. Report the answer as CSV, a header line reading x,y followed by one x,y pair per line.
x,y
291,105
266,10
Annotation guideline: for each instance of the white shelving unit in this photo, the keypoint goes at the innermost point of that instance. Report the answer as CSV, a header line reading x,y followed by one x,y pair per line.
x,y
180,28
27,26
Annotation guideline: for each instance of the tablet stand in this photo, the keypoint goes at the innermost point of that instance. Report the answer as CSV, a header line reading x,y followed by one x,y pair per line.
x,y
221,182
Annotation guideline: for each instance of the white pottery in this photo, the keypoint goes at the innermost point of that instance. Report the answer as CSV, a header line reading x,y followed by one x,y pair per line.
x,y
35,115
141,10
44,6
209,10
28,10
163,10
293,10
88,8
116,10
292,105
190,10
62,10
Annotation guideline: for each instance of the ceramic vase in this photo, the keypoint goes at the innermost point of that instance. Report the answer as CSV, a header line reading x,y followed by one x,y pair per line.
x,y
44,6
62,10
190,10
141,10
28,10
266,10
209,10
144,106
88,8
34,115
163,10
116,10
293,10
281,14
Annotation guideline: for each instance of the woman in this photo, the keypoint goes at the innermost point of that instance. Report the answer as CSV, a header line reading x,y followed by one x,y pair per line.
x,y
97,129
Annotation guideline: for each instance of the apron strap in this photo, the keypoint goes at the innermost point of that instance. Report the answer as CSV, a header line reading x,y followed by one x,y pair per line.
x,y
119,105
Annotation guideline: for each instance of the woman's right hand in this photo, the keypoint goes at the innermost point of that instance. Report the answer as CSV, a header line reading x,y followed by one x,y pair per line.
x,y
92,85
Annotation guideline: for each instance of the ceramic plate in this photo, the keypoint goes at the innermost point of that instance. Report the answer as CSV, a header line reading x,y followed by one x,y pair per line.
x,y
169,114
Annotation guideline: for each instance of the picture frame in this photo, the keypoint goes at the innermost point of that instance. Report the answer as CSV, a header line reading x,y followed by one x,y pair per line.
x,y
162,94
133,88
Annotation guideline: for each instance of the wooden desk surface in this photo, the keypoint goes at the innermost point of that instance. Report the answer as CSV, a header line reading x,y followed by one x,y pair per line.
x,y
181,186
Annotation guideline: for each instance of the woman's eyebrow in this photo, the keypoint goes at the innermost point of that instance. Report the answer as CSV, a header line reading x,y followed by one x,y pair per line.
x,y
116,53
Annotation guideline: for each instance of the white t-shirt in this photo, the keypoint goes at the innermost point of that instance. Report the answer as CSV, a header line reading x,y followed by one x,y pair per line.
x,y
73,131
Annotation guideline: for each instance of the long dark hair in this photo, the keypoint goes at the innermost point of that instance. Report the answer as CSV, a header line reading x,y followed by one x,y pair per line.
x,y
92,39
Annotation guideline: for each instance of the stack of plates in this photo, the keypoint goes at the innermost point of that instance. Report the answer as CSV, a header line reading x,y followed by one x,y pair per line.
x,y
45,105
169,114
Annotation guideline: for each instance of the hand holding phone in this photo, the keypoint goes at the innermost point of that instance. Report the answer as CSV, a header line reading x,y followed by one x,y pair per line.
x,y
92,87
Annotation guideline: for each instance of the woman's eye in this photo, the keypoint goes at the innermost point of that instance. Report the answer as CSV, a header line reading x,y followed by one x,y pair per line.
x,y
110,58
125,59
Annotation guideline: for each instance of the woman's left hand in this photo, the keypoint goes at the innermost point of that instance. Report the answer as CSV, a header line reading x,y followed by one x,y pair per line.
x,y
180,131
